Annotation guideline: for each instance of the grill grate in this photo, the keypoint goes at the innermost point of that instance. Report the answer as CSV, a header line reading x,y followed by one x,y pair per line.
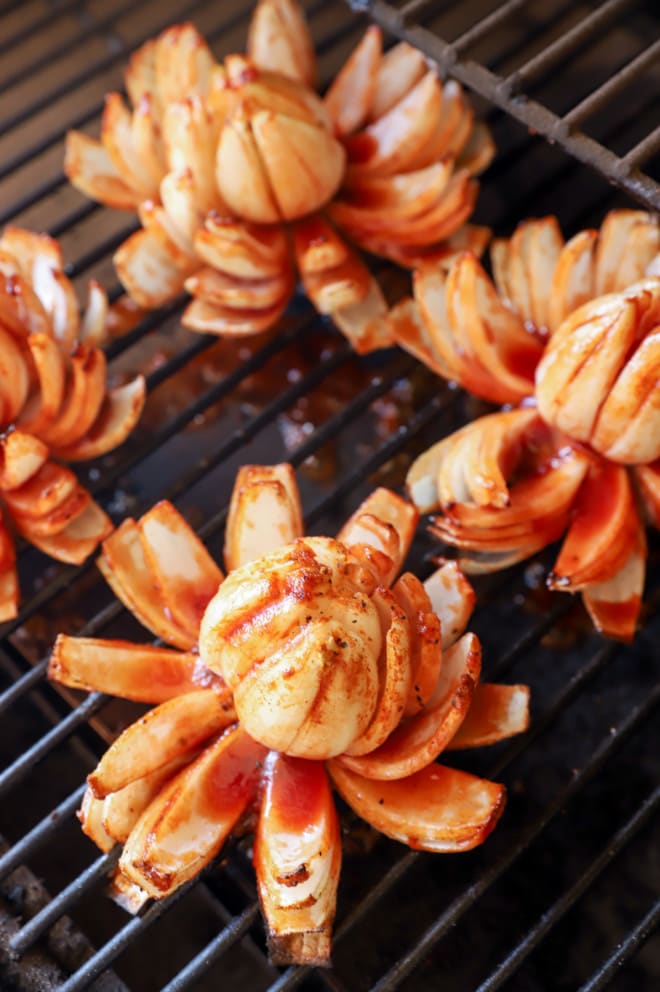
x,y
564,895
419,22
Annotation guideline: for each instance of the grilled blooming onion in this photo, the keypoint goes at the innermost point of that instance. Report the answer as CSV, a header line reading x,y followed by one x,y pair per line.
x,y
242,175
53,404
314,666
572,334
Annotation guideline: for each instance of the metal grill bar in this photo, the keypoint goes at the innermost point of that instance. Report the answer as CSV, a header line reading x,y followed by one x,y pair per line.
x,y
75,217
503,92
39,23
414,8
482,28
96,26
49,139
529,640
36,194
586,30
599,758
641,152
545,720
532,939
30,842
100,251
625,950
34,675
52,911
10,776
102,960
599,97
200,964
11,6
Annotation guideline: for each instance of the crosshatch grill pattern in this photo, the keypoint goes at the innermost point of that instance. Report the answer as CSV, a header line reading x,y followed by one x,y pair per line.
x,y
565,893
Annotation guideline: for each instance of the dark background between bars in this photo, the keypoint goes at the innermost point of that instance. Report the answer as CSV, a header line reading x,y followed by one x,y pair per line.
x,y
565,893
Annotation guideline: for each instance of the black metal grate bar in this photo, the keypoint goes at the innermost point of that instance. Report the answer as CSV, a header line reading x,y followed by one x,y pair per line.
x,y
634,940
504,92
10,7
200,964
414,8
38,23
599,758
531,940
545,720
598,99
40,834
641,152
586,30
483,27
102,960
35,195
42,921
23,765
94,27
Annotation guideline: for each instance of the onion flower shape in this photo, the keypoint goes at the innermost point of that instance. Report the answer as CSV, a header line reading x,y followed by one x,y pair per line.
x,y
244,178
570,335
310,665
54,407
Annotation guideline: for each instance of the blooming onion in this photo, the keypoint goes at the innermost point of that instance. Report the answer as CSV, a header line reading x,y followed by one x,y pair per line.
x,y
570,336
311,664
242,176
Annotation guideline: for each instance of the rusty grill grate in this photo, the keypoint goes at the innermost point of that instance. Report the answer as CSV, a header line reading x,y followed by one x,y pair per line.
x,y
570,111
565,894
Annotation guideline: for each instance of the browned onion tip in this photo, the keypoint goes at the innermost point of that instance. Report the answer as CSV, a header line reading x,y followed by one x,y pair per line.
x,y
297,858
185,826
